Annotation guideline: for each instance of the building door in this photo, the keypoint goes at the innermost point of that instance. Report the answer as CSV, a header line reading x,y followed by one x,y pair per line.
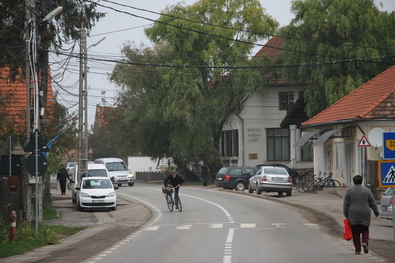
x,y
350,163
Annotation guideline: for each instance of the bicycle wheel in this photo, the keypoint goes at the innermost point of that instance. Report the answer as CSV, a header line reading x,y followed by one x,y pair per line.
x,y
169,201
334,183
311,188
299,186
178,204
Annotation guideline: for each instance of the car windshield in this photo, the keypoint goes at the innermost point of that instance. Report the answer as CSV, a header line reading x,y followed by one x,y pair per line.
x,y
116,166
275,170
71,164
96,184
97,173
389,191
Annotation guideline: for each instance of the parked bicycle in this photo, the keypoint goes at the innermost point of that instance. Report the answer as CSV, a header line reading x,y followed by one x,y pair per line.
x,y
309,184
170,200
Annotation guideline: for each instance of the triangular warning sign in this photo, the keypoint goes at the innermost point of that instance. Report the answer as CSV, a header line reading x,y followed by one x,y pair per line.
x,y
390,177
363,142
31,146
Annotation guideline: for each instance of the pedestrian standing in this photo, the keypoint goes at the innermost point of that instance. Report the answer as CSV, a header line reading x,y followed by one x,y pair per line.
x,y
357,203
62,178
204,173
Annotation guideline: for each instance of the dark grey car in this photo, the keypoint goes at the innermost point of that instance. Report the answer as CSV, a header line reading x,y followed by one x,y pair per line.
x,y
234,177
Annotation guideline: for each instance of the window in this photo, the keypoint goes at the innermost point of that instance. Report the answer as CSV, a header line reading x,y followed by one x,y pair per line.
x,y
230,143
307,151
278,145
286,98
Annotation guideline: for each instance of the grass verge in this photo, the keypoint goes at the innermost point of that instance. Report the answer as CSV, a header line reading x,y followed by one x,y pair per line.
x,y
25,238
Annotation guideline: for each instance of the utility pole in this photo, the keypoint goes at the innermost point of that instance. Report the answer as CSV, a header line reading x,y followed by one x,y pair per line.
x,y
82,110
30,17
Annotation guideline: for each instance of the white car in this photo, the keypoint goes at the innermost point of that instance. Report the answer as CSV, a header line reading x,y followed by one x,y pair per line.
x,y
387,204
96,192
271,179
118,171
70,168
94,170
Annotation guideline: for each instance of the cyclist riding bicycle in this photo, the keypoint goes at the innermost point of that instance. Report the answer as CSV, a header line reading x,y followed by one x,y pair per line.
x,y
175,180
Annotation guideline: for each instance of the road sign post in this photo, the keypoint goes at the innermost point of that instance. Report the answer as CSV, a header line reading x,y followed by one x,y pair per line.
x,y
387,180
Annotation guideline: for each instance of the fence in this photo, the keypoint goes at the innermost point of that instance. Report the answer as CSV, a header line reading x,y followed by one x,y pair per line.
x,y
150,176
10,198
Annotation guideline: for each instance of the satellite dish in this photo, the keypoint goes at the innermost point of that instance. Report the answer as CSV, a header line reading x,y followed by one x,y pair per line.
x,y
376,137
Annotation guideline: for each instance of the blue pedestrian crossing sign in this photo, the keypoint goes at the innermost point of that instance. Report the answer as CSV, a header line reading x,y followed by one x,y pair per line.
x,y
386,174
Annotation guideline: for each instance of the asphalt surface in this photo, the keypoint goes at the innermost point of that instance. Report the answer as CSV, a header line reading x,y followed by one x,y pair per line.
x,y
328,202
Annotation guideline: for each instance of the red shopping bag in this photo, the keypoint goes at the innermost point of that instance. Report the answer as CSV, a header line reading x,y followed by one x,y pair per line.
x,y
347,233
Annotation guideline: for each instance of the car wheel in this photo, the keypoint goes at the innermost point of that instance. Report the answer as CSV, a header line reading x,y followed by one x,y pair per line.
x,y
250,189
289,193
79,207
130,184
119,185
258,191
240,186
280,193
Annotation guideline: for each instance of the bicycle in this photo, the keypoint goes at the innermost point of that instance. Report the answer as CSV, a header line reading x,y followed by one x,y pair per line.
x,y
171,202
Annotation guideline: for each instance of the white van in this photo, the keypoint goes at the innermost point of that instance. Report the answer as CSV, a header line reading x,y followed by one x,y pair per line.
x,y
94,170
118,170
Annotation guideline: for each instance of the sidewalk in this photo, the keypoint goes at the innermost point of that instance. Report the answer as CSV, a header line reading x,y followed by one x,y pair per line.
x,y
330,202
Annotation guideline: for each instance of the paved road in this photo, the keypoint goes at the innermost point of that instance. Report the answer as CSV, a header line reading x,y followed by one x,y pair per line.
x,y
135,208
220,226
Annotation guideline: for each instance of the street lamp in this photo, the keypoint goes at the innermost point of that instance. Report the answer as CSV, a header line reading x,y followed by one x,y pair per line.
x,y
31,67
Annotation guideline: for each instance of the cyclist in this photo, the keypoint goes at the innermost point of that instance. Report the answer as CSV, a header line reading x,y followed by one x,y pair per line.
x,y
175,180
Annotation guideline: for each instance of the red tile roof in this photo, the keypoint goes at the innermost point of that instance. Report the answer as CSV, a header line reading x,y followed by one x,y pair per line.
x,y
101,113
13,92
375,99
271,49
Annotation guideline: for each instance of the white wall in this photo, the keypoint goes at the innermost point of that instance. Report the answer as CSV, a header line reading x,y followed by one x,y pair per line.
x,y
260,111
141,164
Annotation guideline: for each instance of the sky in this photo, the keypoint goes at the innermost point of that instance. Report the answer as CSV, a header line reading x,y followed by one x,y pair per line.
x,y
119,28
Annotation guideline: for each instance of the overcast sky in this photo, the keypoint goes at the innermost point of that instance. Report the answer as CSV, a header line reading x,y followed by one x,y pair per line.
x,y
118,28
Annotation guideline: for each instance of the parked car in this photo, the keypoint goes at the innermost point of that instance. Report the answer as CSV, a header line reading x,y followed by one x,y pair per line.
x,y
234,177
94,170
294,174
70,168
119,172
96,192
271,179
386,204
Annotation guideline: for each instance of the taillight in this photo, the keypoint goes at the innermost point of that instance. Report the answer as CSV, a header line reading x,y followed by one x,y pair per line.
x,y
289,179
264,178
227,177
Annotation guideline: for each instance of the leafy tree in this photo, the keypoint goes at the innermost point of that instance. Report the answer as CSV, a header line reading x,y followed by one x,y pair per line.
x,y
114,137
179,110
345,42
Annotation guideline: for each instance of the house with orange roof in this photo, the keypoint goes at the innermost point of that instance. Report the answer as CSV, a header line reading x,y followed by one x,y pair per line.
x,y
14,101
347,137
267,124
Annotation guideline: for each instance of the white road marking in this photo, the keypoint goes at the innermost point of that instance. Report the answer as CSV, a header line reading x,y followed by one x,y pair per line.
x,y
216,226
228,246
252,225
184,227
